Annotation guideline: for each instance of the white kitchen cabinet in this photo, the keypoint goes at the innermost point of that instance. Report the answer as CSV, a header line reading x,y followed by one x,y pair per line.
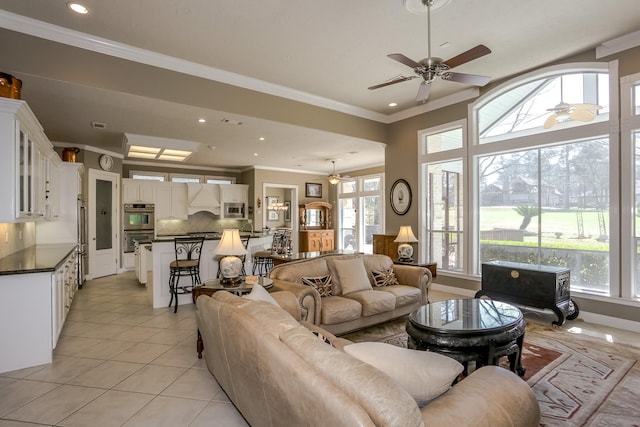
x,y
171,200
234,193
138,191
23,164
64,282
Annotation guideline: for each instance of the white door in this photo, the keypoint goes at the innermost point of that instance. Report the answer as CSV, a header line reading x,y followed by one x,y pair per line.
x,y
103,242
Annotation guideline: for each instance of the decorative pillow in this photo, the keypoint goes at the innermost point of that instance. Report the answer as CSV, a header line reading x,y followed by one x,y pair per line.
x,y
384,277
352,274
321,283
259,293
425,375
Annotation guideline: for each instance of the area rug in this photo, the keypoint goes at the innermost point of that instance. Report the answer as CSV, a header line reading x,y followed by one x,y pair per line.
x,y
578,380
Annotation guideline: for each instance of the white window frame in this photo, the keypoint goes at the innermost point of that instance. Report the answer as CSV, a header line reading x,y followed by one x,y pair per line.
x,y
163,175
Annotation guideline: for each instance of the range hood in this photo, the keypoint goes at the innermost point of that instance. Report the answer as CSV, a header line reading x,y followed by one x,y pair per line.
x,y
203,197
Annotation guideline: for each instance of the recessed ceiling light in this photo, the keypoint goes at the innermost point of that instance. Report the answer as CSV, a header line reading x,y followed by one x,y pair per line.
x,y
261,138
255,154
202,120
77,8
211,147
393,104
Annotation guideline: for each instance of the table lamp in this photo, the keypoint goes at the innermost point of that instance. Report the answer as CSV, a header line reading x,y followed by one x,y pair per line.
x,y
405,250
229,247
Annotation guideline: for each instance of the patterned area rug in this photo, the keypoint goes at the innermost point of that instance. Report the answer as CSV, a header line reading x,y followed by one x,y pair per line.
x,y
578,380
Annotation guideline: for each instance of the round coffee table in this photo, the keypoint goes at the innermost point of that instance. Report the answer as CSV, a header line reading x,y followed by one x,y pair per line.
x,y
478,330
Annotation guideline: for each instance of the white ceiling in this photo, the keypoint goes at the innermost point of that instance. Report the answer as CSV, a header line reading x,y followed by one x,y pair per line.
x,y
321,53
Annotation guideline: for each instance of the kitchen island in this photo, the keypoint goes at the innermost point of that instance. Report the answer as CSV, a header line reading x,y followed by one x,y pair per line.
x,y
163,252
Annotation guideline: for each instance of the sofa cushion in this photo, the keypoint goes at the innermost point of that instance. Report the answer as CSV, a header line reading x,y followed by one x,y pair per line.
x,y
424,374
321,283
384,277
273,319
330,260
353,276
377,262
335,309
384,400
404,294
259,293
373,302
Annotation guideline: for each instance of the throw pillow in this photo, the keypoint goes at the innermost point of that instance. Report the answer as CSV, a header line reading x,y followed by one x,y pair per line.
x,y
425,375
321,283
259,293
352,274
384,277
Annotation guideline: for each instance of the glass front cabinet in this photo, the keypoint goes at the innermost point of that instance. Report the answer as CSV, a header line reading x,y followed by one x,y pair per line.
x,y
25,168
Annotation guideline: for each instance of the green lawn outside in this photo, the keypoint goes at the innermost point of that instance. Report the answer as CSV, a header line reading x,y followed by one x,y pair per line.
x,y
559,227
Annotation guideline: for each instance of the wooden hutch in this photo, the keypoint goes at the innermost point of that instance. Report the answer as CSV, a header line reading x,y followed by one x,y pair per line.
x,y
316,233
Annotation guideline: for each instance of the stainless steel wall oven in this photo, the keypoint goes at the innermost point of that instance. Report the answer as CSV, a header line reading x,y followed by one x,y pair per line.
x,y
138,221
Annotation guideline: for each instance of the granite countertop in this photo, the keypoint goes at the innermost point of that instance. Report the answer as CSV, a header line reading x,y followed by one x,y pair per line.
x,y
36,259
208,236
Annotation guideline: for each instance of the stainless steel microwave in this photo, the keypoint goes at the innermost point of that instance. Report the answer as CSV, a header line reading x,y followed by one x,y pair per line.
x,y
234,210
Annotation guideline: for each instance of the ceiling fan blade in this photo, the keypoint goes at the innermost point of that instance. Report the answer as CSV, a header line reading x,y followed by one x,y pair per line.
x,y
586,106
582,115
471,79
404,60
392,82
423,91
550,122
470,55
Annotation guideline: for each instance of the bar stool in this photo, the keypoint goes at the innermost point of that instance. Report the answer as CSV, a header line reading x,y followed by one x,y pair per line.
x,y
262,261
186,264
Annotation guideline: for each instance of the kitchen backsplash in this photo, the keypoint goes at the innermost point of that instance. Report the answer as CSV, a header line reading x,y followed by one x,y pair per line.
x,y
197,223
16,237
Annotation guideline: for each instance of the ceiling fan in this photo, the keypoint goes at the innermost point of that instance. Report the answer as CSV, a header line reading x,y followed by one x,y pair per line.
x,y
563,112
432,67
335,178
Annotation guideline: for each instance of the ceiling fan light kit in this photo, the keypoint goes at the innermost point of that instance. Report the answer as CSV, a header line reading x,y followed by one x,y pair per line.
x,y
432,67
564,112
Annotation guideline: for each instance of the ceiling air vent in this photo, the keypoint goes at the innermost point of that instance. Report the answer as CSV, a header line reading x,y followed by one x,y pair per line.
x,y
98,125
231,122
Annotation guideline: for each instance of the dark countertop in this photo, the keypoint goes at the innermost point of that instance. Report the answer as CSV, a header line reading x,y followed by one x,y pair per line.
x,y
36,259
212,236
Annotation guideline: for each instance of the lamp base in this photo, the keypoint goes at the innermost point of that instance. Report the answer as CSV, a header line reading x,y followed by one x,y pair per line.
x,y
230,282
405,252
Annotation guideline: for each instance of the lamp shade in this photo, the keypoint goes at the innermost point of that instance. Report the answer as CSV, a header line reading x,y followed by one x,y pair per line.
x,y
405,235
230,243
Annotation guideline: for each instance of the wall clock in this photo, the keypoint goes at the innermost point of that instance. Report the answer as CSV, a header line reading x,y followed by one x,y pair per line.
x,y
400,197
106,162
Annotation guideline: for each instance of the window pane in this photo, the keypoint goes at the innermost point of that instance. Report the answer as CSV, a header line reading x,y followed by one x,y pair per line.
x,y
348,223
148,177
636,287
372,218
371,184
549,206
347,187
443,141
526,108
184,179
444,184
636,99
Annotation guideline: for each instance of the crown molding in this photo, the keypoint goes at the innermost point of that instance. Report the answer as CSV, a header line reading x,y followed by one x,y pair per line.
x,y
55,33
88,148
179,166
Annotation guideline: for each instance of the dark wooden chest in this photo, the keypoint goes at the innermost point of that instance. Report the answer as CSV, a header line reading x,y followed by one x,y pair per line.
x,y
538,286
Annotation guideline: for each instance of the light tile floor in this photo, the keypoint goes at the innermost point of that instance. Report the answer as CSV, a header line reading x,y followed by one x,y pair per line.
x,y
121,363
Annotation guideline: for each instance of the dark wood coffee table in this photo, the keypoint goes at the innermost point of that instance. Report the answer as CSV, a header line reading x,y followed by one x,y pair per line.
x,y
478,330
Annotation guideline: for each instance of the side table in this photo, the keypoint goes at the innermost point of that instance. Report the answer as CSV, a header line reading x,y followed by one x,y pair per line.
x,y
432,266
212,286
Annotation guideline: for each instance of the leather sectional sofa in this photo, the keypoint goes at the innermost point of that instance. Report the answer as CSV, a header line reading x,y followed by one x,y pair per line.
x,y
277,372
346,309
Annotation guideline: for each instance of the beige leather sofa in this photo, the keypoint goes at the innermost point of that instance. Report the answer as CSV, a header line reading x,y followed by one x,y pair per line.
x,y
277,373
345,312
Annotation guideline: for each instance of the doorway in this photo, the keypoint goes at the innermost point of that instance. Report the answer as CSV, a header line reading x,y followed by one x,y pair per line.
x,y
285,193
103,246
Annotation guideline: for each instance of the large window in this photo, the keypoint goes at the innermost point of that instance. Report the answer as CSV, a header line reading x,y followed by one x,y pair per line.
x,y
533,180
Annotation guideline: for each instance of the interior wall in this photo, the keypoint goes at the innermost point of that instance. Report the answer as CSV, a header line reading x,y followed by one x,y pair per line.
x,y
16,237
